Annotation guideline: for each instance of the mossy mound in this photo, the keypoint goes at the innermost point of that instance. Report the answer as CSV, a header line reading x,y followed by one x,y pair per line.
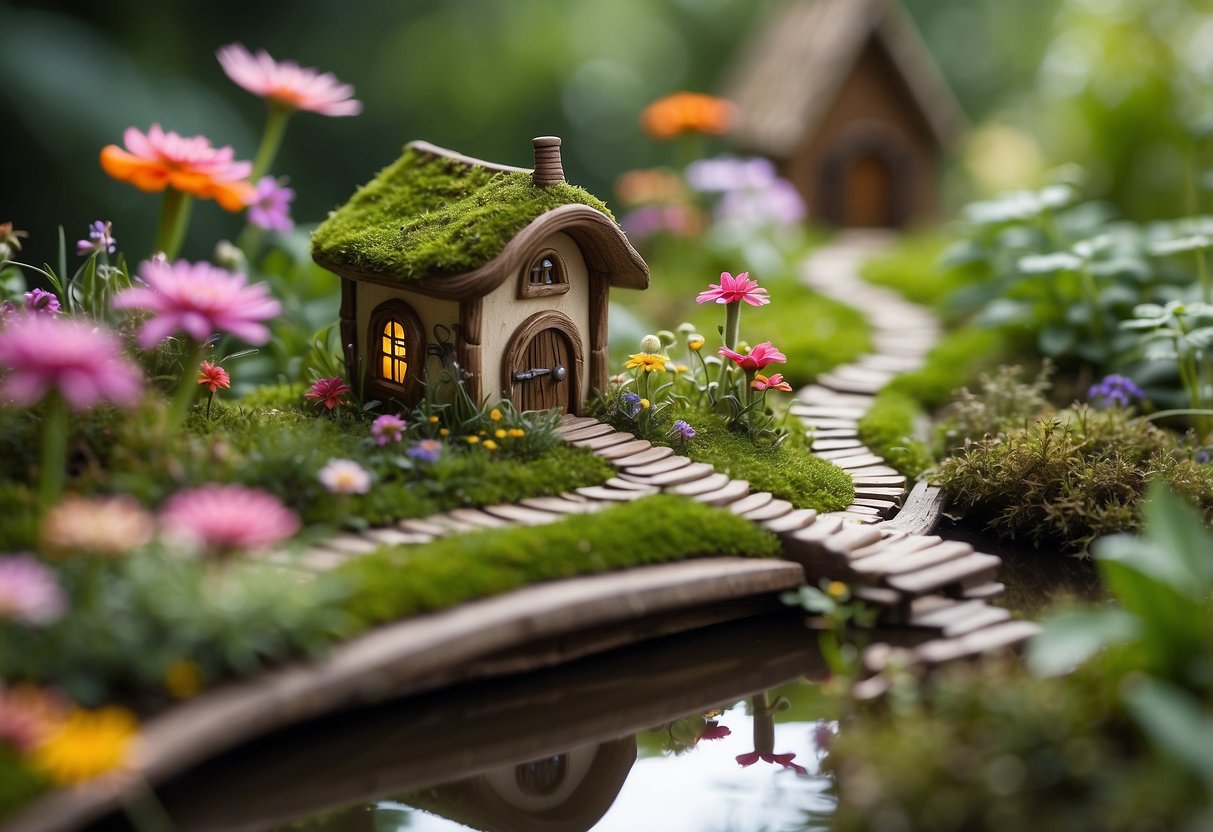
x,y
431,215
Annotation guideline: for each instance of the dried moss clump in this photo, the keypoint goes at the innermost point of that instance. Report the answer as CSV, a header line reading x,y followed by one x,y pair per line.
x,y
427,215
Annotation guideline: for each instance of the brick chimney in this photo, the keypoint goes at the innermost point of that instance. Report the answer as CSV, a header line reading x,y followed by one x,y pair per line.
x,y
547,161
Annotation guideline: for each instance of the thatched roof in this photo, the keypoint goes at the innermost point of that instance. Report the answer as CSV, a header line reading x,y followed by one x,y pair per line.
x,y
790,72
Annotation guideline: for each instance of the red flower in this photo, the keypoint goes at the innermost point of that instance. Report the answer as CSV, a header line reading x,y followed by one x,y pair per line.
x,y
775,382
328,392
784,760
213,377
713,730
733,289
759,357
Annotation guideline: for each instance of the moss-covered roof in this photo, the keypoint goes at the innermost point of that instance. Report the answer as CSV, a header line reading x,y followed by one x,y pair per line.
x,y
430,214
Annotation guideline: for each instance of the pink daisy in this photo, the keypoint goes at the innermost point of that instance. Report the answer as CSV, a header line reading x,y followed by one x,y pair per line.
x,y
388,428
224,518
158,160
213,377
270,207
757,358
85,365
29,592
733,289
200,299
328,392
286,84
775,382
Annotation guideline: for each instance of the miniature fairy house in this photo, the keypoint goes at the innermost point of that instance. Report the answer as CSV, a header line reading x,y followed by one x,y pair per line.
x,y
499,274
845,97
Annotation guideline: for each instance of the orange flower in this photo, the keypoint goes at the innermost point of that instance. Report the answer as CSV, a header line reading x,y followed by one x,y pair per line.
x,y
160,160
685,112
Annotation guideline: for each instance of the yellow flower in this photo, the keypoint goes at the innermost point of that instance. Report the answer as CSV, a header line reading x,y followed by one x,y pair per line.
x,y
837,590
472,440
516,433
489,444
695,342
433,420
499,433
647,362
444,432
681,368
495,415
183,679
87,745
645,404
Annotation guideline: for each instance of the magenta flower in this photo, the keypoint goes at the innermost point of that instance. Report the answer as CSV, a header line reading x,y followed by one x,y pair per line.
x,y
775,382
344,476
784,760
219,519
328,392
84,365
212,376
200,299
41,302
713,730
757,358
270,207
286,84
733,289
388,428
100,238
682,429
427,450
29,592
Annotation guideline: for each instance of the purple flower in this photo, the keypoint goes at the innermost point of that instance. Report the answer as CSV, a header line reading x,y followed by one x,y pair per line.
x,y
388,428
85,365
683,430
199,299
1116,390
729,173
427,450
39,302
647,220
29,592
100,238
778,204
270,206
631,404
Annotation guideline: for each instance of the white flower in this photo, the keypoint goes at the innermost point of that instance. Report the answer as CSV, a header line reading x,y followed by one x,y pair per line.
x,y
344,476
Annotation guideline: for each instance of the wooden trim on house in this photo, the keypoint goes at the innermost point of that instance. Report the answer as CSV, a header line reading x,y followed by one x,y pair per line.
x,y
348,318
409,392
469,351
600,287
527,289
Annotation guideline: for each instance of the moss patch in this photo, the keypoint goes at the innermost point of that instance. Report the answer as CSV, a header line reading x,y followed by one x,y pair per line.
x,y
955,361
399,581
888,429
787,471
430,215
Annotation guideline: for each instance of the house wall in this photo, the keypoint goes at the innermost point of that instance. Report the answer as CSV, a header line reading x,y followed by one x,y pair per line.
x,y
873,108
503,311
432,311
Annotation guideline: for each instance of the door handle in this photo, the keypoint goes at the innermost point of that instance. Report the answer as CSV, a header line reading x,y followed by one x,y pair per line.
x,y
559,373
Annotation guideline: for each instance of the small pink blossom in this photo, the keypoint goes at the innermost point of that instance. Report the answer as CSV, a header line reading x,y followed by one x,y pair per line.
x,y
328,392
100,238
67,355
200,299
213,377
219,519
344,476
713,730
757,358
733,289
784,760
29,592
286,84
270,206
27,714
775,382
388,428
41,302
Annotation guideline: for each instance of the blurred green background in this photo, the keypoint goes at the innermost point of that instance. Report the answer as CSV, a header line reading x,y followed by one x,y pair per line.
x,y
1121,86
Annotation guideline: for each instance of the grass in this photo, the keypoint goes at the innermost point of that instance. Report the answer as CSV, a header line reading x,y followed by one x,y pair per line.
x,y
890,427
788,471
912,268
396,582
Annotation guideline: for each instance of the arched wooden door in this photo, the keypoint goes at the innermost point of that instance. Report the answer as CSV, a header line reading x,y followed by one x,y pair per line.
x,y
869,193
542,364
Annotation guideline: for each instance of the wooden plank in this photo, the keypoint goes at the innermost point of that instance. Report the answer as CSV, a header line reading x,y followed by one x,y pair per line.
x,y
987,640
857,372
756,500
612,495
855,508
771,511
847,432
522,515
694,471
896,548
795,521
852,517
841,453
985,592
827,412
871,471
702,485
477,518
881,482
835,444
671,462
606,441
645,456
574,423
851,463
624,450
587,432
418,526
560,505
972,568
890,362
625,485
730,492
922,509
850,385
898,563
389,536
880,492
812,395
883,506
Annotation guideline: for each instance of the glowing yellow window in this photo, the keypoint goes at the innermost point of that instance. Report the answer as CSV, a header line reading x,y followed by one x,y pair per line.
x,y
393,352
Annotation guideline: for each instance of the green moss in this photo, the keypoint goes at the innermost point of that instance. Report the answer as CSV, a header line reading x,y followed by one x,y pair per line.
x,y
431,215
787,471
957,359
889,429
399,581
913,269
19,783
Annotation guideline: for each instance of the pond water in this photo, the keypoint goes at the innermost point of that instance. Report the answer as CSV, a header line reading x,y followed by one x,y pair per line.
x,y
645,737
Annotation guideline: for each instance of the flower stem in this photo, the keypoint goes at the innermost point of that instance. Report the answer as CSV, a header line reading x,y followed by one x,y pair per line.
x,y
187,388
174,220
732,328
53,471
271,140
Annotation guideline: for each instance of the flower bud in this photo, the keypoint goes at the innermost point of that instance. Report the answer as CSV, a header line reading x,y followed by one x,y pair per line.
x,y
650,344
666,337
686,328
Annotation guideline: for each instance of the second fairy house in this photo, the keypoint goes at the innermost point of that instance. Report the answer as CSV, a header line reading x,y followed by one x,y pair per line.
x,y
845,97
498,274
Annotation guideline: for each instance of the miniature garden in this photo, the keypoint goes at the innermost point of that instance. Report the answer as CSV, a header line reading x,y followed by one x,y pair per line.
x,y
202,387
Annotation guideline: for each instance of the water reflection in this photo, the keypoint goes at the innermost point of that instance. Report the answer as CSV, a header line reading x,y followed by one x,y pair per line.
x,y
713,730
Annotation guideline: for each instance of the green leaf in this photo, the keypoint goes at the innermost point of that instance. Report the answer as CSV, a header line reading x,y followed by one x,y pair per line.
x,y
1055,340
1174,721
1070,638
1004,312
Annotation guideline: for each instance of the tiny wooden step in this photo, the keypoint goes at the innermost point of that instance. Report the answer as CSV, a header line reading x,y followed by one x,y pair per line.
x,y
624,450
712,482
771,511
694,471
795,521
879,566
587,432
523,515
645,457
730,492
754,501
975,568
606,441
985,592
671,462
987,640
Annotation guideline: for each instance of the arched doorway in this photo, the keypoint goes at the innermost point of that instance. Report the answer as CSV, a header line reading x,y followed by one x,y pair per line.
x,y
868,193
542,364
865,181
